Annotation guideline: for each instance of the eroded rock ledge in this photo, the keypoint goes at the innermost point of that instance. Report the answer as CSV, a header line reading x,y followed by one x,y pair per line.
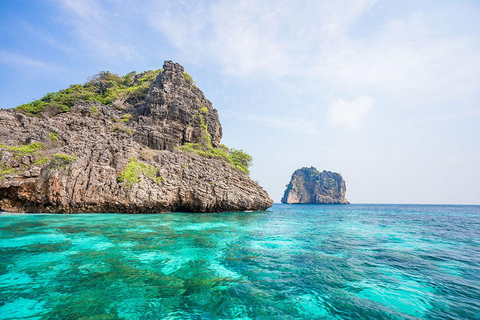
x,y
308,185
123,157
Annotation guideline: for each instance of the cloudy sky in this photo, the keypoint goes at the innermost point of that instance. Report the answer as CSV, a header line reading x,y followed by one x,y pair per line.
x,y
385,92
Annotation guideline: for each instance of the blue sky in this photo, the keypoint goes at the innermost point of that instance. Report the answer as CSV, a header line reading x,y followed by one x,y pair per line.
x,y
384,92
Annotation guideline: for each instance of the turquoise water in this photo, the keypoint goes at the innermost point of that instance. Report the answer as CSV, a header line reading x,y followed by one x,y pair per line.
x,y
292,262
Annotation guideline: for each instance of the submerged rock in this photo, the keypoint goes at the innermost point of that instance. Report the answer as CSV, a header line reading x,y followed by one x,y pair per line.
x,y
139,155
308,185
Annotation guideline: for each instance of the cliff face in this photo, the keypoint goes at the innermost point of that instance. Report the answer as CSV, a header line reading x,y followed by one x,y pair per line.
x,y
124,157
170,113
308,185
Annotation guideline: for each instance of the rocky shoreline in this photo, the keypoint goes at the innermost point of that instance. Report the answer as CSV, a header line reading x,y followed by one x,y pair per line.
x,y
159,152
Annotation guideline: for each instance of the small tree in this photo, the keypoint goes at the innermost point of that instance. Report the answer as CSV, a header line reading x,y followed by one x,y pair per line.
x,y
105,80
241,159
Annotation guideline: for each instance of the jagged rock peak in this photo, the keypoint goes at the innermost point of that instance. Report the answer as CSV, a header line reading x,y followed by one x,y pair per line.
x,y
169,65
308,185
174,101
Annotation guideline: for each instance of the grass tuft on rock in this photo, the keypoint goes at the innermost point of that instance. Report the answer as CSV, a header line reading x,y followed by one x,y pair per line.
x,y
135,170
21,151
126,117
122,129
235,158
53,136
188,77
6,171
41,161
61,159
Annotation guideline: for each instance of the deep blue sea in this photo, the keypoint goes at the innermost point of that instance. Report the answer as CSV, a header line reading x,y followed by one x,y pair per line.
x,y
291,262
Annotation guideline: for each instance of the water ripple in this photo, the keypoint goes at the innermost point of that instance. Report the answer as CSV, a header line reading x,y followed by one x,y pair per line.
x,y
292,262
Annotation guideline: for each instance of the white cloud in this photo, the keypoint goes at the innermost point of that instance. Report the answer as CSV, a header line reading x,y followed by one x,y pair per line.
x,y
18,60
296,125
254,37
350,114
100,29
86,9
452,159
405,56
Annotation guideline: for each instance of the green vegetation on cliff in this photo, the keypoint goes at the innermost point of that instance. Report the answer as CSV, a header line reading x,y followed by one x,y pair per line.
x,y
6,171
62,160
53,136
188,77
236,158
105,87
20,151
41,161
122,129
240,159
134,171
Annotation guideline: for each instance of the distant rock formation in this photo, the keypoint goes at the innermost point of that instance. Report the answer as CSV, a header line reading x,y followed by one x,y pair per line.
x,y
151,146
308,185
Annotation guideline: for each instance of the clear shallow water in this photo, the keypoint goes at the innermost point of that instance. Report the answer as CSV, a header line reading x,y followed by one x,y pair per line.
x,y
292,262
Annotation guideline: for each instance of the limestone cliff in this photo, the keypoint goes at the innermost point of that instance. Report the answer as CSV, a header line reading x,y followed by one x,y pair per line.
x,y
308,185
155,149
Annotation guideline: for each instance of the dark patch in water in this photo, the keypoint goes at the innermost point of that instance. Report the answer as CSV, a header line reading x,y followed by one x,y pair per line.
x,y
352,262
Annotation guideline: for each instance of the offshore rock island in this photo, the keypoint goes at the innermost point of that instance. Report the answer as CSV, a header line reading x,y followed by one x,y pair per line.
x,y
141,143
308,185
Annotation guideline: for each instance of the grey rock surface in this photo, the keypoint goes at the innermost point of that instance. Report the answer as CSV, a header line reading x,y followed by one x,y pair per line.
x,y
308,185
76,158
168,117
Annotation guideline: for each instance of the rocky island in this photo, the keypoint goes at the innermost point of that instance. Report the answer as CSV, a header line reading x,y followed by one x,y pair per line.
x,y
141,143
308,185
